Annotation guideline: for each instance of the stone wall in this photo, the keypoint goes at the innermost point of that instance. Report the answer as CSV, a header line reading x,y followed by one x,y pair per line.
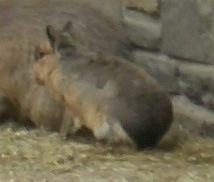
x,y
178,47
112,8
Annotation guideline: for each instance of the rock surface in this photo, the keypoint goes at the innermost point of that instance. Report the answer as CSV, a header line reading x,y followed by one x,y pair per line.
x,y
194,119
197,82
112,8
142,30
159,66
188,29
149,6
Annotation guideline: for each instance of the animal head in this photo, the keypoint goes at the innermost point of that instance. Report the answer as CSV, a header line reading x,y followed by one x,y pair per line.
x,y
60,45
59,41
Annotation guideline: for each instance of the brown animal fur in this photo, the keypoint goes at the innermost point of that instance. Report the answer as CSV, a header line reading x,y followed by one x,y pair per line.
x,y
112,97
21,23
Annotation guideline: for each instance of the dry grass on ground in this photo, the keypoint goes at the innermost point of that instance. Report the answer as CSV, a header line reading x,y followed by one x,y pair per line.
x,y
35,155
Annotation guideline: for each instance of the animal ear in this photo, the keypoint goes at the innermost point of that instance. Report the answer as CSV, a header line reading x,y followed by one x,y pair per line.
x,y
60,39
52,34
68,27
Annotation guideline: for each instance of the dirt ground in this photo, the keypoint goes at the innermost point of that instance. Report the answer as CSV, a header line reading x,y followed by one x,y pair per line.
x,y
33,155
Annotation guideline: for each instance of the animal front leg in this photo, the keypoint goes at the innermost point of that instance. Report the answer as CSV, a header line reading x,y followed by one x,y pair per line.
x,y
70,123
